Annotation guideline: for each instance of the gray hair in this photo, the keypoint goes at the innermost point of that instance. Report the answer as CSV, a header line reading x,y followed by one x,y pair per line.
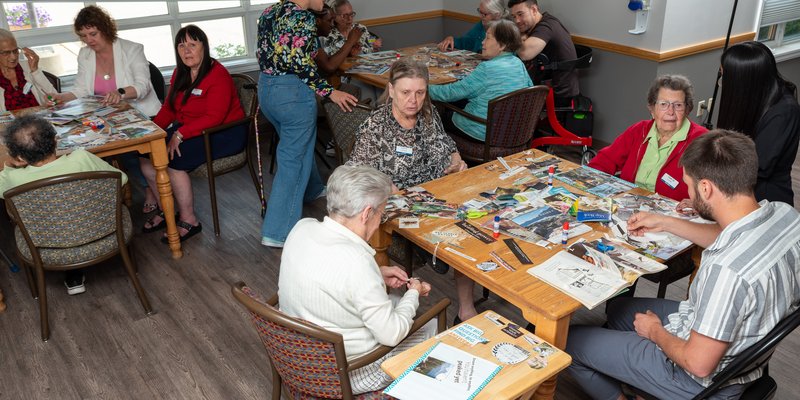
x,y
351,189
672,82
6,35
335,4
496,7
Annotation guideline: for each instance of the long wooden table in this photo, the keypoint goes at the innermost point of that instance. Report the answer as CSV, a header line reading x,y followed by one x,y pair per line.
x,y
152,143
511,382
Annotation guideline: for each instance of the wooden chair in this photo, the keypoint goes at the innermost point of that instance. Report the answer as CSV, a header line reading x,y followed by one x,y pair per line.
x,y
157,79
344,127
510,123
309,361
54,80
246,88
754,357
67,222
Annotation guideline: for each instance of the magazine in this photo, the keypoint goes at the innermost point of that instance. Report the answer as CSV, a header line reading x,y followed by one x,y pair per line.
x,y
595,182
443,372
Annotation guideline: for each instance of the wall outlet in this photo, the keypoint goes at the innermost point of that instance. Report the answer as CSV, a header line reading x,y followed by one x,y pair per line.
x,y
701,108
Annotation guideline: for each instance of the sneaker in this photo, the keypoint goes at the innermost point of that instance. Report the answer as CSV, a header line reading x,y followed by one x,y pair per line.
x,y
271,243
74,283
330,149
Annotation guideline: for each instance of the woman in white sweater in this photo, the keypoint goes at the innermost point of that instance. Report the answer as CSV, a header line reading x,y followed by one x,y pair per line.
x,y
22,85
329,276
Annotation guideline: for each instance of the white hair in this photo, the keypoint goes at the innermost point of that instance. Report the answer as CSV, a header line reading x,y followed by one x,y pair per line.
x,y
351,189
496,7
6,35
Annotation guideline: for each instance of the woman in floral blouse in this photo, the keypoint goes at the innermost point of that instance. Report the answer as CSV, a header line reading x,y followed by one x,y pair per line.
x,y
286,88
404,137
343,25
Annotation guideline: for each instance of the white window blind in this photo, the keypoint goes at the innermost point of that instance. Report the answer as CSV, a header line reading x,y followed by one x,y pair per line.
x,y
780,11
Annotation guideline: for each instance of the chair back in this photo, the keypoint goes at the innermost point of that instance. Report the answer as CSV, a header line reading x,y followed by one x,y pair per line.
x,y
344,126
157,79
309,360
512,119
247,89
54,80
67,210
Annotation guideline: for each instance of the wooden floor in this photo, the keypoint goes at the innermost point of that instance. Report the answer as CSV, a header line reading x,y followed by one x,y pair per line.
x,y
199,343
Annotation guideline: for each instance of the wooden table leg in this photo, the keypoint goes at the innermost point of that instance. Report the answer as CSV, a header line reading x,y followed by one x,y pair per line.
x,y
555,332
2,303
381,241
158,155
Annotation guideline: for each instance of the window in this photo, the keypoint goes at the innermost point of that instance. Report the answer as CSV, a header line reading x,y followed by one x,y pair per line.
x,y
779,27
46,27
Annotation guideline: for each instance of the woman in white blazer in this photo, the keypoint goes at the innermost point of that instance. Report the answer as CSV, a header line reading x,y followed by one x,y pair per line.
x,y
109,66
22,85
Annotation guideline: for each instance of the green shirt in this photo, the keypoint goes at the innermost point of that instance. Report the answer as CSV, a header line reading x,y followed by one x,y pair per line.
x,y
78,161
655,157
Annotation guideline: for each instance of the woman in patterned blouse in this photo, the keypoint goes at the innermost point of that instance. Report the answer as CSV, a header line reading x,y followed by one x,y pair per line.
x,y
404,137
343,28
289,79
22,85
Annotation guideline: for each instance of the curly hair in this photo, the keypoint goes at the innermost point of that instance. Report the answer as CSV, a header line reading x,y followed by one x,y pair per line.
x,y
94,16
30,138
677,83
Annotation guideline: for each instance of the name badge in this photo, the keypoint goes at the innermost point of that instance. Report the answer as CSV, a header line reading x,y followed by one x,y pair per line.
x,y
669,181
197,92
27,88
404,150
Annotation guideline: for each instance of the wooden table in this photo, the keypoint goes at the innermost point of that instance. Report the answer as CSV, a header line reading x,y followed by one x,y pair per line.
x,y
511,382
152,143
437,75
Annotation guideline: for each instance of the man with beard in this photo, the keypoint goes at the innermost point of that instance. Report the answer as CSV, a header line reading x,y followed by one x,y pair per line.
x,y
747,283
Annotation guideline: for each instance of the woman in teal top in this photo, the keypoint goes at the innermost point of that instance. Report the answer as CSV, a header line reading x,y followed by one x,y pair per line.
x,y
502,73
490,10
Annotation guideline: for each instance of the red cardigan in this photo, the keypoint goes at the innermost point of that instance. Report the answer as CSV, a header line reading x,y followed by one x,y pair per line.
x,y
627,151
215,102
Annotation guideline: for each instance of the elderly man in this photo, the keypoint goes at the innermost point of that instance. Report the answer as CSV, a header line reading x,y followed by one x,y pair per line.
x,y
329,276
544,33
31,142
747,283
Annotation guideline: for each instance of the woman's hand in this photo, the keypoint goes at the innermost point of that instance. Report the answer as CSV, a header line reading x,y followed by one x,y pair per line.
x,y
112,98
354,36
456,164
394,277
356,50
377,44
33,59
422,287
344,100
447,44
59,98
174,145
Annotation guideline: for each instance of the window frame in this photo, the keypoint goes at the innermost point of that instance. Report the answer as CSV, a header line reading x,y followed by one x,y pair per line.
x,y
782,48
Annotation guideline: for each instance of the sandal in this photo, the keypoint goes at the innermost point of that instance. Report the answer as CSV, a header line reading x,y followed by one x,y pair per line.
x,y
147,208
155,227
190,230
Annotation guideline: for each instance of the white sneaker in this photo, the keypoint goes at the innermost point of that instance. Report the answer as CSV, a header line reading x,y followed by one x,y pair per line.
x,y
271,243
75,285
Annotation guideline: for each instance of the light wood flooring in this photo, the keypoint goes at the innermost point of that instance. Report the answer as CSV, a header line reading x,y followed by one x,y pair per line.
x,y
199,344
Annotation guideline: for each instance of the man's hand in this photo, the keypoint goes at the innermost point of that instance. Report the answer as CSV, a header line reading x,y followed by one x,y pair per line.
x,y
647,324
344,100
642,222
394,277
686,207
447,44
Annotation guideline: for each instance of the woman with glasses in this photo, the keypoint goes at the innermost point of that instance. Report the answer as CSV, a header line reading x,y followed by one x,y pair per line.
x,y
758,102
648,152
489,10
344,24
22,85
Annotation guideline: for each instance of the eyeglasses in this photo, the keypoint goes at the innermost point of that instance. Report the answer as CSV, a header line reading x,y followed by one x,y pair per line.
x,y
483,14
6,53
663,105
351,15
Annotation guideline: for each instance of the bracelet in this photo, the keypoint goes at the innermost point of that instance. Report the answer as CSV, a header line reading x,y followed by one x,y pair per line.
x,y
179,136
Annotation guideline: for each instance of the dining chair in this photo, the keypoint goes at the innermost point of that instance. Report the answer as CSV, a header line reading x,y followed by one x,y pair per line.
x,y
67,222
157,79
344,127
246,89
310,361
54,80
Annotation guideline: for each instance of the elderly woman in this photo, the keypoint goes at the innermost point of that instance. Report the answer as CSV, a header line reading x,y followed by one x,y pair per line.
x,y
404,137
343,27
648,152
201,95
21,85
329,276
490,10
758,102
502,73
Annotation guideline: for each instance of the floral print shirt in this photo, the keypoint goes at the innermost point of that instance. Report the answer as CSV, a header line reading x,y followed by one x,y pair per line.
x,y
335,40
287,45
409,156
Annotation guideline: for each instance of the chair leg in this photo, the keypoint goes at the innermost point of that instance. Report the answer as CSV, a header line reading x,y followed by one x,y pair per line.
x,y
213,191
45,326
31,282
131,270
662,288
277,382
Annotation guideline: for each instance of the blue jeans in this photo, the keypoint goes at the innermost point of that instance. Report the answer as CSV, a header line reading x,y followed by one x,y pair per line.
x,y
291,107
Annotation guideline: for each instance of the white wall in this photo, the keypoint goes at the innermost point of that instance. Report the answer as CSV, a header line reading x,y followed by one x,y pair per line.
x,y
367,9
692,21
463,6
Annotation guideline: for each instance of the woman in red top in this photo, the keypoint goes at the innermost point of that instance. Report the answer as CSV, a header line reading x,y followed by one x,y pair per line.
x,y
202,95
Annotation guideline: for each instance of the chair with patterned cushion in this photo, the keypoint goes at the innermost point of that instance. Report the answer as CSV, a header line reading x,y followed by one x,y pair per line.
x,y
67,222
246,88
344,127
510,123
310,361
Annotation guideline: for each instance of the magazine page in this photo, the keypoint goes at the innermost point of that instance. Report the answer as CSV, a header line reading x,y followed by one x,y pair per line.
x,y
443,372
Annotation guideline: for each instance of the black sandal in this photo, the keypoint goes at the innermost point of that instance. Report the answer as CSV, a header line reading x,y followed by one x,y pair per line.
x,y
155,228
190,230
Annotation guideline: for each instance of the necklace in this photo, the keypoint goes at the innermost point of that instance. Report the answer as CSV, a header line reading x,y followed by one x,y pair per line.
x,y
106,77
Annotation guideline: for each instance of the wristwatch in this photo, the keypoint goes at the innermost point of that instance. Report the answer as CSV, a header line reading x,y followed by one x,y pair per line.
x,y
121,91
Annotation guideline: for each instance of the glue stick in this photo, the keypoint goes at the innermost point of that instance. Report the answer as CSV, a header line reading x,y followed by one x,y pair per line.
x,y
550,171
565,234
496,227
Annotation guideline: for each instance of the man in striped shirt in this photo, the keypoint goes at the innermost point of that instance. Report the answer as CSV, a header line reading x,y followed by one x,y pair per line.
x,y
747,283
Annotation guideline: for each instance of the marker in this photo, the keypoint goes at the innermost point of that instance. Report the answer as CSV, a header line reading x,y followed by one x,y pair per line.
x,y
550,171
565,234
496,227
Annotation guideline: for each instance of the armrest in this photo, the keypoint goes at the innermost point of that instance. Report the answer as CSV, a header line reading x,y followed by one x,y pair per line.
x,y
439,309
220,128
465,114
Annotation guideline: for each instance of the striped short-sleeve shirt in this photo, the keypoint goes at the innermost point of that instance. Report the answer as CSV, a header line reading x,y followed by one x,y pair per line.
x,y
747,282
